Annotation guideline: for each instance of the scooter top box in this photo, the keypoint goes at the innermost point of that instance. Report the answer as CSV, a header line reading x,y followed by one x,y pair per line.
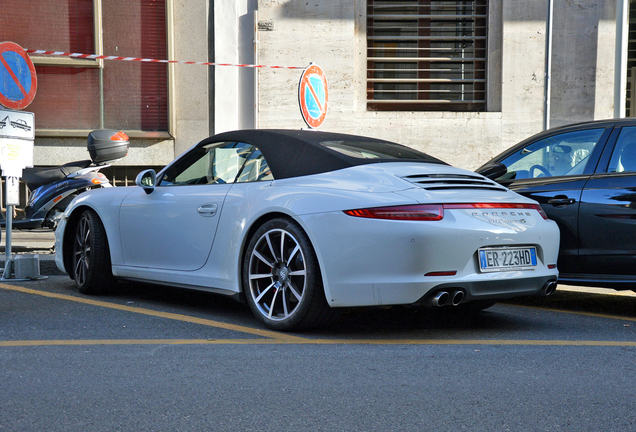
x,y
105,145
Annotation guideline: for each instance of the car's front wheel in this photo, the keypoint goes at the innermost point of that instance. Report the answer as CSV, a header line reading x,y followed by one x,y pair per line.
x,y
281,278
91,257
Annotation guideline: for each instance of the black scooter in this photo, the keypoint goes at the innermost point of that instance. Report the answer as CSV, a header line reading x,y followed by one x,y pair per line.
x,y
53,188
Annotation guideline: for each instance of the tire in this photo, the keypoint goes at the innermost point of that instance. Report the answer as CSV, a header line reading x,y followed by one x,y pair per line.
x,y
281,278
91,257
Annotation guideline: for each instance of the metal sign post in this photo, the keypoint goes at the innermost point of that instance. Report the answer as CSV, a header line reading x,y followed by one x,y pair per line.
x,y
12,188
8,256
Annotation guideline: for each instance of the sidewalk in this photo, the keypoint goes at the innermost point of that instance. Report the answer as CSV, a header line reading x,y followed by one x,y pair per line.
x,y
31,242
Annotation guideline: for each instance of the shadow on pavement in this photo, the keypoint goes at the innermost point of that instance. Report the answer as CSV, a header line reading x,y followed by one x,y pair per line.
x,y
579,301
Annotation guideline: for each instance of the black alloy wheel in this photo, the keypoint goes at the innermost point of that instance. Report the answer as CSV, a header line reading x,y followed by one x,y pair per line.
x,y
91,257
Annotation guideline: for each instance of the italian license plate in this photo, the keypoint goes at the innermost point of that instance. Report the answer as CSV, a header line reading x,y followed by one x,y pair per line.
x,y
505,259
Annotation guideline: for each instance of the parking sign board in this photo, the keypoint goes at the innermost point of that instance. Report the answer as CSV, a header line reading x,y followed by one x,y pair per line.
x,y
18,80
17,124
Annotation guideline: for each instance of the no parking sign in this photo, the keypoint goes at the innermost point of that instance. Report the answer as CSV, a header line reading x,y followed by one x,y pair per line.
x,y
18,81
313,96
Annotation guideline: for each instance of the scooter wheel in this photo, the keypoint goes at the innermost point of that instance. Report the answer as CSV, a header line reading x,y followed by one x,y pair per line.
x,y
91,257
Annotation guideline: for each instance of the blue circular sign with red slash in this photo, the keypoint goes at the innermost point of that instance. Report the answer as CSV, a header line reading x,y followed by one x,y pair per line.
x,y
18,81
313,96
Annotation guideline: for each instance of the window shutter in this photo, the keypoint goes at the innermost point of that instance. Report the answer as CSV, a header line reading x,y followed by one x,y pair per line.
x,y
426,55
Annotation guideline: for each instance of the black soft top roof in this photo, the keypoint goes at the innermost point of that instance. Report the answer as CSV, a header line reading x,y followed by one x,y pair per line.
x,y
295,153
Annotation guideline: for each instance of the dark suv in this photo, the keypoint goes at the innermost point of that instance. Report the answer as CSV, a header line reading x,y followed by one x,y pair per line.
x,y
584,177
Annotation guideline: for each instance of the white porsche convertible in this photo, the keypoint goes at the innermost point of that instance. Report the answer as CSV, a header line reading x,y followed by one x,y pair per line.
x,y
300,223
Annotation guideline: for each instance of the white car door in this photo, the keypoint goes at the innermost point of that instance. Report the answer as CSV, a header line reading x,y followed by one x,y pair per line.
x,y
171,228
174,226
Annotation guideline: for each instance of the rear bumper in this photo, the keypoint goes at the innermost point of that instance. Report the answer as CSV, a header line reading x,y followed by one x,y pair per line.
x,y
371,262
493,290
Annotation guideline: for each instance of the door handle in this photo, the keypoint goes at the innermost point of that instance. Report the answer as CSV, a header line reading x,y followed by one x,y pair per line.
x,y
561,201
207,209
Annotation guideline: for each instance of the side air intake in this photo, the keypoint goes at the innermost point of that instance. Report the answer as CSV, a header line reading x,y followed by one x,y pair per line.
x,y
453,181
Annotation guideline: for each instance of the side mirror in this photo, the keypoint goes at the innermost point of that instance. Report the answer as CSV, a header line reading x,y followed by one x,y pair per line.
x,y
493,170
146,180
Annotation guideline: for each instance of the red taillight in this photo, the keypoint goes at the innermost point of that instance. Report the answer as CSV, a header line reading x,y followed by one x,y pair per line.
x,y
433,212
409,212
538,208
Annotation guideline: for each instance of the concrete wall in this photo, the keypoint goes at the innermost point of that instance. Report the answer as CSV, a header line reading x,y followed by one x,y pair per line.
x,y
333,35
234,23
583,61
339,47
295,33
523,70
191,107
142,152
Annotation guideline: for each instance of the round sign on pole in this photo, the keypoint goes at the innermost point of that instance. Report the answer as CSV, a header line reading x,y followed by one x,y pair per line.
x,y
313,96
18,81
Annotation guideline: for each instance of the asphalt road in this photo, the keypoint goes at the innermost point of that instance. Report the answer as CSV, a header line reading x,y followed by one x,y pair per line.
x,y
148,358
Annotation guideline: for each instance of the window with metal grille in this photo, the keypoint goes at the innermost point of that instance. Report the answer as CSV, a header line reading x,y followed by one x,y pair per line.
x,y
426,55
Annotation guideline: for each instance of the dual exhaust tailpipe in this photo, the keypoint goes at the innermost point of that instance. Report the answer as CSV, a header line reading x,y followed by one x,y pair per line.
x,y
444,298
549,288
454,298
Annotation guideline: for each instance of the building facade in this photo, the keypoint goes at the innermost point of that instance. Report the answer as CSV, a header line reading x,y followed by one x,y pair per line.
x,y
461,80
477,74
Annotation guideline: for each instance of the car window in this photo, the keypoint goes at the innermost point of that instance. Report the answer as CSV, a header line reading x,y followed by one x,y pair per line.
x,y
624,155
218,163
255,169
377,150
558,155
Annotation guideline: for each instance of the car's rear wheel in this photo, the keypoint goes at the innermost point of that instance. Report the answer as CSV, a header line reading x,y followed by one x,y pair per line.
x,y
91,258
281,278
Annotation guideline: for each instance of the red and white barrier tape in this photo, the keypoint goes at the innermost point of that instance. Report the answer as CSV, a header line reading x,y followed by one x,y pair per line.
x,y
146,60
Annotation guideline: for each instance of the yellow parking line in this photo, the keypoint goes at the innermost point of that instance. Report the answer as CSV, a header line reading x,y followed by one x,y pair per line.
x,y
300,341
168,315
271,337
